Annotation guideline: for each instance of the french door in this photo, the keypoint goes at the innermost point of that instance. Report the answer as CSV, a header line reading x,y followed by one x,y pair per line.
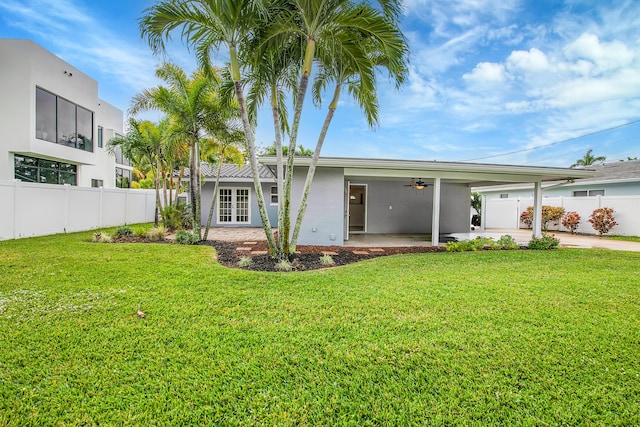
x,y
234,206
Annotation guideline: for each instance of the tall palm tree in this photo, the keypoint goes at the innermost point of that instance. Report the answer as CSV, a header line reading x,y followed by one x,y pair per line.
x,y
194,111
219,151
209,25
308,30
588,160
144,142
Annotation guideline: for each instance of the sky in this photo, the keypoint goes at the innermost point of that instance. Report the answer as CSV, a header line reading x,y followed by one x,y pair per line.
x,y
535,82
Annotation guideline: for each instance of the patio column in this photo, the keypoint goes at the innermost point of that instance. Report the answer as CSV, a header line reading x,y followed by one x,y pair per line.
x,y
435,218
537,209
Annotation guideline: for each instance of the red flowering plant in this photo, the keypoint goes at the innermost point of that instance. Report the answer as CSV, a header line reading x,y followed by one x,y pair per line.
x,y
602,220
571,220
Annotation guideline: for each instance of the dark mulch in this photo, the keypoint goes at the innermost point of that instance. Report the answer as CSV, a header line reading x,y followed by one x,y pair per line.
x,y
307,257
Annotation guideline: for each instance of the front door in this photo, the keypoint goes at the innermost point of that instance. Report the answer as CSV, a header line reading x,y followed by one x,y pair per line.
x,y
234,206
357,208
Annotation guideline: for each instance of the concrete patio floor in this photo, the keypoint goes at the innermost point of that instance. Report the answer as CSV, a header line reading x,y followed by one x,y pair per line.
x,y
567,240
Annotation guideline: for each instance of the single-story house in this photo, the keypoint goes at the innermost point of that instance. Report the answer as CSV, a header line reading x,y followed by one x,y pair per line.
x,y
611,179
356,195
615,185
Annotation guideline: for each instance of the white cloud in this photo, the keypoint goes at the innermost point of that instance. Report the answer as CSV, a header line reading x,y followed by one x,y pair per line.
x,y
531,61
486,74
604,55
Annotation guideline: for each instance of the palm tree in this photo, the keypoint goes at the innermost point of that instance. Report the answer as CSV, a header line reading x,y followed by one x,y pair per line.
x,y
144,142
194,111
307,31
588,160
220,151
208,25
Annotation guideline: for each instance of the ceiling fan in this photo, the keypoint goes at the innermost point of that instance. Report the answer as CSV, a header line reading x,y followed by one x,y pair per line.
x,y
418,184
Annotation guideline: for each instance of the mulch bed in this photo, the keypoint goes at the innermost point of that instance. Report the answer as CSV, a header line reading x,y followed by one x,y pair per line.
x,y
307,257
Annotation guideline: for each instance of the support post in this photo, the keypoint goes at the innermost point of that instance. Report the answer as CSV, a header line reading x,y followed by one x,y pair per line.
x,y
537,210
435,218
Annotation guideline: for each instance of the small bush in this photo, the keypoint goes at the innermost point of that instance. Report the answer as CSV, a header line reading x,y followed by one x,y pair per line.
x,y
102,237
547,241
551,215
140,232
245,261
526,218
570,221
476,244
507,242
172,217
185,237
157,234
326,259
124,231
284,265
602,220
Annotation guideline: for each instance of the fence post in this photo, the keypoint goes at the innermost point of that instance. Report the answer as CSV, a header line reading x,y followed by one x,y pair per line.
x,y
101,207
67,190
16,184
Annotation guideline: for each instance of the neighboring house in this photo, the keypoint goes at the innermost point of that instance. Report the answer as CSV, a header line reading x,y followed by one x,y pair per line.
x,y
612,179
351,195
615,185
55,129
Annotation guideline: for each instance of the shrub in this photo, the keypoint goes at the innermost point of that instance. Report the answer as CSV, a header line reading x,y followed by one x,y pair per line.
x,y
102,237
284,265
507,242
602,220
326,259
185,237
547,241
140,232
157,234
551,215
245,261
171,217
124,231
526,218
570,221
471,245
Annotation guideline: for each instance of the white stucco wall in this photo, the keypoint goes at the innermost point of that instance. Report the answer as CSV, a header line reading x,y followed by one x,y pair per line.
x,y
25,66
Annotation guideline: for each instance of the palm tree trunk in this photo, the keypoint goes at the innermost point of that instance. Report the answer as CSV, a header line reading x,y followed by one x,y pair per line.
x,y
178,185
213,199
253,160
279,162
156,185
192,187
198,191
302,91
312,168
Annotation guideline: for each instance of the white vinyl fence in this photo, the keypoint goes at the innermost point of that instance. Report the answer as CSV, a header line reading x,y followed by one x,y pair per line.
x,y
30,209
505,213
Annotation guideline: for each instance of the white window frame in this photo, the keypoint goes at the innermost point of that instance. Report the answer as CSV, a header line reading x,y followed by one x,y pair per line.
x,y
273,191
234,205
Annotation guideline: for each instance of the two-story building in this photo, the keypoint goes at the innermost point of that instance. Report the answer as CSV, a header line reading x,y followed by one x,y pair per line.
x,y
54,127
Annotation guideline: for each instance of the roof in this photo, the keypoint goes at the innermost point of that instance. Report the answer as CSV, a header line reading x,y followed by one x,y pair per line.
x,y
231,172
615,172
608,173
475,174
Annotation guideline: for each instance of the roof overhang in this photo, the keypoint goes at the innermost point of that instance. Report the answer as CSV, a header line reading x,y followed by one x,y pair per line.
x,y
473,174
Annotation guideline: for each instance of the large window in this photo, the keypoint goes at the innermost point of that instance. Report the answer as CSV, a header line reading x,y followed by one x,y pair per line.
x,y
63,122
31,169
123,178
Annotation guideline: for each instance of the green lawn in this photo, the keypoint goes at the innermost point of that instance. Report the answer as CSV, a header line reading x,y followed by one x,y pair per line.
x,y
476,338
